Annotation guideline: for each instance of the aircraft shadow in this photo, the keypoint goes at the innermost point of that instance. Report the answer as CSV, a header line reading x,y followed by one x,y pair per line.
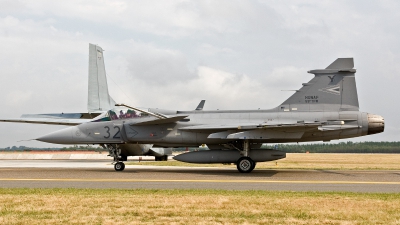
x,y
198,171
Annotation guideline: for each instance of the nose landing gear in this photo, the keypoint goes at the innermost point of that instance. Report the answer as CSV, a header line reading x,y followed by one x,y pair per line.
x,y
115,152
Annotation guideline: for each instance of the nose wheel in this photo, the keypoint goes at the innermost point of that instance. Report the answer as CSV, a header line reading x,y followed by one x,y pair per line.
x,y
119,166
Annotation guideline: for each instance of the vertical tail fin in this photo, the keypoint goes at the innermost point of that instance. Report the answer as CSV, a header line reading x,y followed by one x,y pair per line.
x,y
333,88
98,96
201,105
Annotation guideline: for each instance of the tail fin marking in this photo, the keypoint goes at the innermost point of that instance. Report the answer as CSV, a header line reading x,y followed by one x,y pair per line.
x,y
333,88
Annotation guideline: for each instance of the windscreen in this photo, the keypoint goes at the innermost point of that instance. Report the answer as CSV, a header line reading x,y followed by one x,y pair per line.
x,y
119,114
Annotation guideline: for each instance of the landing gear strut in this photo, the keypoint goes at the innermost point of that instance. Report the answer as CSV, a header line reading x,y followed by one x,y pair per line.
x,y
115,152
245,164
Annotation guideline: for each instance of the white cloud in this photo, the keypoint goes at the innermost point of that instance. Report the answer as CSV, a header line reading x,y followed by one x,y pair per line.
x,y
178,18
172,54
220,89
155,65
37,59
208,49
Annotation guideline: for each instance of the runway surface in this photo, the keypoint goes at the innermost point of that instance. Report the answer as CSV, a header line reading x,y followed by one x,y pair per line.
x,y
101,174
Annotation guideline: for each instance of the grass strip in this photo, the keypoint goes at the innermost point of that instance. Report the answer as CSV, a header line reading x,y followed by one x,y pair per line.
x,y
147,206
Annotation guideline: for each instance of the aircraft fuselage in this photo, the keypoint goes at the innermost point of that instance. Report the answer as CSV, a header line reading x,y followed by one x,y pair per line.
x,y
322,126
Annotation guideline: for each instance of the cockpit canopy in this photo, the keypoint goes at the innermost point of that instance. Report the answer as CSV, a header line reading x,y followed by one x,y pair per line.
x,y
119,114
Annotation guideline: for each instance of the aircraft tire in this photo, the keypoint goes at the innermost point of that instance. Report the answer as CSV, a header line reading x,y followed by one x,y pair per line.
x,y
254,166
245,164
119,166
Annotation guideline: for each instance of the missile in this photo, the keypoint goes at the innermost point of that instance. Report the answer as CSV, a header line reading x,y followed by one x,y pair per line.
x,y
229,156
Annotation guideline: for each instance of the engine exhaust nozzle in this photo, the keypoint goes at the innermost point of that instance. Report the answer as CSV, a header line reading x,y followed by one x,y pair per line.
x,y
376,124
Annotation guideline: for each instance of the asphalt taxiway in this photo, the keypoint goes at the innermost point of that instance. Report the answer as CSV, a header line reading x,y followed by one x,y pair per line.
x,y
101,174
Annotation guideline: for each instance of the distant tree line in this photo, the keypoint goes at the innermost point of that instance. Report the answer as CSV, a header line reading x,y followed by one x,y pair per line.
x,y
69,148
343,147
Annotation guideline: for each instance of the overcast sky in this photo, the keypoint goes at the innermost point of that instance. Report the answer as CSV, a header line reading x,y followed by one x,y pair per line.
x,y
172,54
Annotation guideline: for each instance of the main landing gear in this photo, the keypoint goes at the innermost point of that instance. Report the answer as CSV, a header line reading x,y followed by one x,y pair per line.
x,y
244,164
115,152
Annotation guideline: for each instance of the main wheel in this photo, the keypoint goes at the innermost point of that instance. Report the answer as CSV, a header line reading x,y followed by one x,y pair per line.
x,y
119,166
245,165
254,166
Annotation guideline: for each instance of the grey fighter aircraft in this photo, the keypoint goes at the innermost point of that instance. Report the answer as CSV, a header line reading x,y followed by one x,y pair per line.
x,y
323,109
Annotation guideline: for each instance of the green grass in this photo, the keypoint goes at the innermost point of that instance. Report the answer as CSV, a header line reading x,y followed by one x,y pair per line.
x,y
144,206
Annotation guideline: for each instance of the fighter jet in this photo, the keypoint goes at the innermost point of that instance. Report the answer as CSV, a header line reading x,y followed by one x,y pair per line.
x,y
323,109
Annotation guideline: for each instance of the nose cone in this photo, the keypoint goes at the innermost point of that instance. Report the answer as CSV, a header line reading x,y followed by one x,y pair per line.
x,y
376,124
63,136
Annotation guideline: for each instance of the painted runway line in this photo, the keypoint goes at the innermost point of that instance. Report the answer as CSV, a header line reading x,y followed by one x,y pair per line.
x,y
201,181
